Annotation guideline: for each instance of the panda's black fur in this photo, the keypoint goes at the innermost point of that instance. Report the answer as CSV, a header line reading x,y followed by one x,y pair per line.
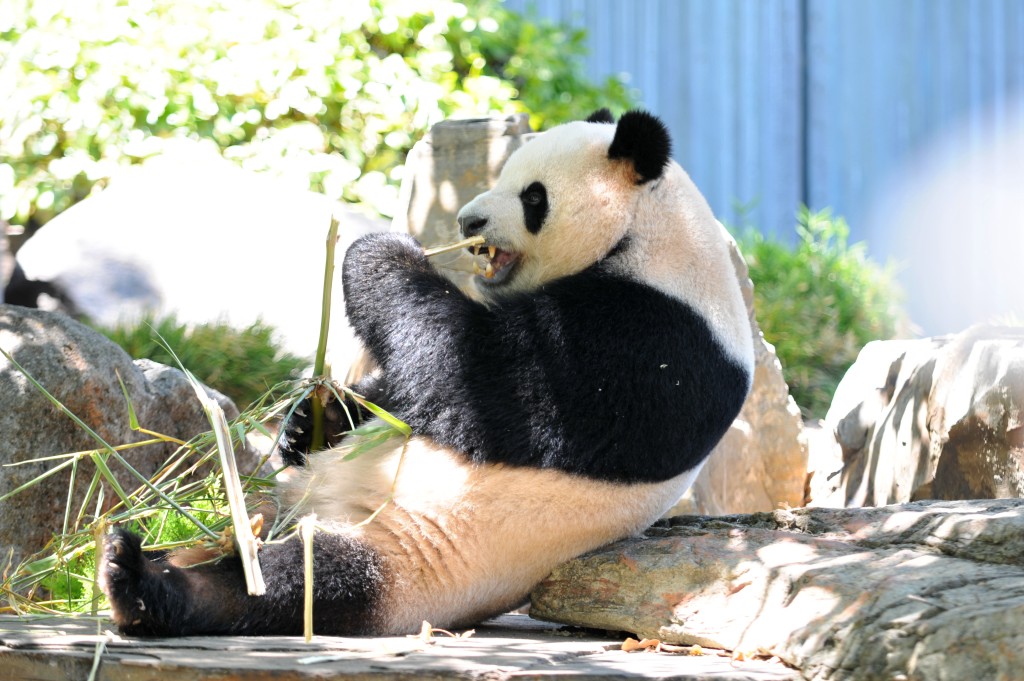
x,y
569,409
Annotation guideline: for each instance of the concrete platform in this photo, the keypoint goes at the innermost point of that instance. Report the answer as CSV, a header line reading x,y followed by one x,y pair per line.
x,y
509,647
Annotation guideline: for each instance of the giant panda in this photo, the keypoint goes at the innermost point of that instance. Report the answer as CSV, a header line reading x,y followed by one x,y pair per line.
x,y
567,404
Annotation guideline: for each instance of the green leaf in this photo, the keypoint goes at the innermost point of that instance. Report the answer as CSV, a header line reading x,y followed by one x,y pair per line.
x,y
392,421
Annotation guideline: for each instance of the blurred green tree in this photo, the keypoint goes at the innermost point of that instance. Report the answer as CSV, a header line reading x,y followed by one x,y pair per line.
x,y
327,94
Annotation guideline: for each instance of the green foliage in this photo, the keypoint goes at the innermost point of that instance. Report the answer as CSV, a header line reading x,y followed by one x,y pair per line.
x,y
241,363
328,95
70,588
819,303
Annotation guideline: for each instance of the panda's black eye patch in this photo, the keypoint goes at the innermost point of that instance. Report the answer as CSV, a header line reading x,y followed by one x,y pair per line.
x,y
535,206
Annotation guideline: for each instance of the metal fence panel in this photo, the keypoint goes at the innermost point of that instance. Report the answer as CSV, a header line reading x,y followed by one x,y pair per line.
x,y
773,103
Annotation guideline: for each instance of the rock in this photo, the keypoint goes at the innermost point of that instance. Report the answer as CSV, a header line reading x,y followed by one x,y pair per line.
x,y
192,234
936,418
507,648
928,590
80,368
761,463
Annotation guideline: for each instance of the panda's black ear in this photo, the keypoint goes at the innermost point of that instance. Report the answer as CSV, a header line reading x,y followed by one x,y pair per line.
x,y
601,116
642,137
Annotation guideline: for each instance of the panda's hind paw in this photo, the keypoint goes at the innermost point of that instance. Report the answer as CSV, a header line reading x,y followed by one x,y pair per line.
x,y
122,557
122,572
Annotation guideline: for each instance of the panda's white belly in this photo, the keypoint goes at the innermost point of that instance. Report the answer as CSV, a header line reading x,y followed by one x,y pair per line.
x,y
463,541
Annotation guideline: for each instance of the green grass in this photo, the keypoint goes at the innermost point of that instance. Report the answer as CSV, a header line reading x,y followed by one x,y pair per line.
x,y
241,363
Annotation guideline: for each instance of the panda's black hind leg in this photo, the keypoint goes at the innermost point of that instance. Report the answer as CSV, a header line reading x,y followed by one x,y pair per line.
x,y
147,597
161,598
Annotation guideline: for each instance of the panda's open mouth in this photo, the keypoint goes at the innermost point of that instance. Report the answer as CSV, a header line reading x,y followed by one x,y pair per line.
x,y
497,265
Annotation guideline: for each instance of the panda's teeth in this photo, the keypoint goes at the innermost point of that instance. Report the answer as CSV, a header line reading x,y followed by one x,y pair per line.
x,y
491,250
476,268
476,250
489,272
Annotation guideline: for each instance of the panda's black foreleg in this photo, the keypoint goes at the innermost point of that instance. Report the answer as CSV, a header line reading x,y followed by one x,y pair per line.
x,y
339,419
158,598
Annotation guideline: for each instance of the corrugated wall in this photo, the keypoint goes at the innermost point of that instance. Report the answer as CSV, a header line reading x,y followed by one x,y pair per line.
x,y
724,75
883,79
904,116
889,79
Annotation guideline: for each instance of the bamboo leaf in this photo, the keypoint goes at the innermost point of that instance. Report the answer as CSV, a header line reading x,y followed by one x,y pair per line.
x,y
133,421
396,423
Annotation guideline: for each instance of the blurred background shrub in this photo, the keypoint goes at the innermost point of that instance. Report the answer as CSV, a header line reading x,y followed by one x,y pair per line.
x,y
819,301
327,95
241,363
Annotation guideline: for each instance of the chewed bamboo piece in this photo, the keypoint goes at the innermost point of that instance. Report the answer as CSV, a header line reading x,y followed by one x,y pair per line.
x,y
465,243
248,544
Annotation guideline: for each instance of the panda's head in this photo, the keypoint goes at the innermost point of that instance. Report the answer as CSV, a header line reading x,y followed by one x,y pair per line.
x,y
566,199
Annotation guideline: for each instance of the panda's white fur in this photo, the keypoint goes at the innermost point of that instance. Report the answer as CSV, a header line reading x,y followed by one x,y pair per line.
x,y
463,542
685,256
533,441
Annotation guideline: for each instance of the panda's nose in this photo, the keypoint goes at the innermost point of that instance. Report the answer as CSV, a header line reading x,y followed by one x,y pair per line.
x,y
471,224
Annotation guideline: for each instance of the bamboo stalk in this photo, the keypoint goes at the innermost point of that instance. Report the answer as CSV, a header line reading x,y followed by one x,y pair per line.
x,y
318,438
307,528
465,243
247,544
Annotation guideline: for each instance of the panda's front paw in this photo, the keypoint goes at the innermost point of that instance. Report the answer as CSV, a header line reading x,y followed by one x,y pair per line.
x,y
380,275
296,442
297,437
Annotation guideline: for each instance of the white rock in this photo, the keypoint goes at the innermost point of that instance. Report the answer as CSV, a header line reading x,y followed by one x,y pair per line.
x,y
936,418
193,234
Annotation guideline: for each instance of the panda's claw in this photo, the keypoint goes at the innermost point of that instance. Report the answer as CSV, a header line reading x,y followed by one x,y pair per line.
x,y
296,441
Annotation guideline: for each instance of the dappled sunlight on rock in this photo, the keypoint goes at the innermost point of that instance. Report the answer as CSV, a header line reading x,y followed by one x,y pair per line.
x,y
786,553
853,594
936,418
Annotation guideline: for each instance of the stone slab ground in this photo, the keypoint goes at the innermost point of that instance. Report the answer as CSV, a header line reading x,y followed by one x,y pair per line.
x,y
509,647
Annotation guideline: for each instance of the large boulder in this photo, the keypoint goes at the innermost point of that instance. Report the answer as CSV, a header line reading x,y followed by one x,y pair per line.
x,y
930,590
80,368
936,418
192,234
761,463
